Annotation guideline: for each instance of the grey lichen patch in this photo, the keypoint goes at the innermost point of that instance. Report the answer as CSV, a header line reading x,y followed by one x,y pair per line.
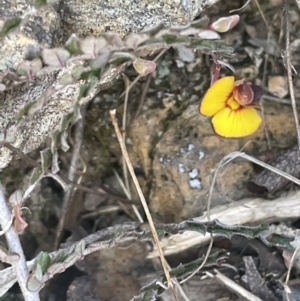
x,y
36,129
88,17
195,183
193,173
181,168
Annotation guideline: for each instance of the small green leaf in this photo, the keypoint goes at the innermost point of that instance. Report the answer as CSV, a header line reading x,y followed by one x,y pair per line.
x,y
60,257
65,120
84,90
36,175
200,23
77,71
10,25
172,39
121,58
80,248
73,45
30,68
66,79
54,142
71,260
211,45
44,261
279,241
89,73
46,158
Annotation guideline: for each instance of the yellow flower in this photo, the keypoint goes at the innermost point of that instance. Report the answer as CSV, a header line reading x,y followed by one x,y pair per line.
x,y
231,105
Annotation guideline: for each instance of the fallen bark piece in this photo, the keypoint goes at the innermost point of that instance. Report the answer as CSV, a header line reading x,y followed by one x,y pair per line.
x,y
267,183
247,211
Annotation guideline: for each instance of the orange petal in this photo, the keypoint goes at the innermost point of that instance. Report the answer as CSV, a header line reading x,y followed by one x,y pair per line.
x,y
216,96
236,123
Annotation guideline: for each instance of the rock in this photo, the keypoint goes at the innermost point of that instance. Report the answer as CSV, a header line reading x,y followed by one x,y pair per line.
x,y
50,27
43,28
93,17
179,161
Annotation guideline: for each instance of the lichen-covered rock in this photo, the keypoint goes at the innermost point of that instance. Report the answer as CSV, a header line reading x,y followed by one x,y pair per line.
x,y
179,162
49,27
91,17
42,28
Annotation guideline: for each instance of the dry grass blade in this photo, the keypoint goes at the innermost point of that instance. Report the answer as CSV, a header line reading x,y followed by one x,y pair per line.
x,y
12,238
238,9
289,69
125,174
142,198
202,264
262,15
286,288
235,155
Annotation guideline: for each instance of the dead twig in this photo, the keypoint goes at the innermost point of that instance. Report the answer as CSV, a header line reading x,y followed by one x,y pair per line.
x,y
106,191
286,287
203,263
125,174
79,129
235,287
239,9
264,79
12,238
289,68
143,96
143,201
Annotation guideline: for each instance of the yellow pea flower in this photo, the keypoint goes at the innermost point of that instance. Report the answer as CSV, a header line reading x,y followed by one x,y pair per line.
x,y
232,107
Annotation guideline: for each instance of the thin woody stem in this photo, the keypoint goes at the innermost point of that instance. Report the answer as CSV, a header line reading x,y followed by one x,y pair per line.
x,y
12,238
289,69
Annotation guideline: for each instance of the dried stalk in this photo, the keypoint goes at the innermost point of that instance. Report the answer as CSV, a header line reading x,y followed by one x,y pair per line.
x,y
289,69
143,201
79,129
12,238
235,287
